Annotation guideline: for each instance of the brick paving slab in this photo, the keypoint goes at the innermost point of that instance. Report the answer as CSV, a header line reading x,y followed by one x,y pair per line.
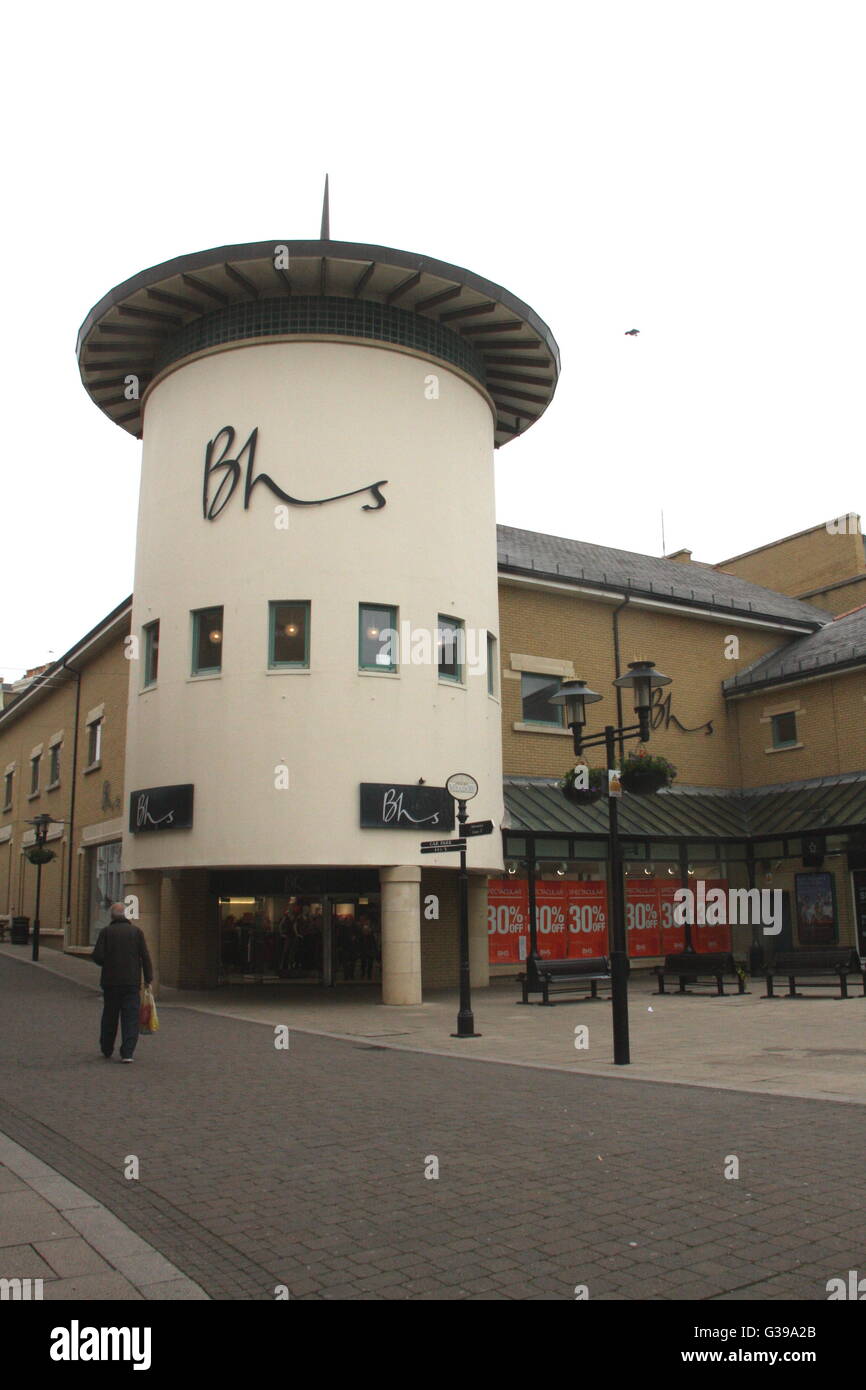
x,y
243,1150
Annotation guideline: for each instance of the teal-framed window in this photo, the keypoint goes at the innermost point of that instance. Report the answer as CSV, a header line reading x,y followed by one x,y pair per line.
x,y
54,764
288,634
150,633
8,787
784,728
535,695
34,774
207,641
492,665
450,648
377,637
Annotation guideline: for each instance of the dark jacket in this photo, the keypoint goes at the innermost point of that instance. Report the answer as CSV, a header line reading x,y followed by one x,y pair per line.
x,y
122,952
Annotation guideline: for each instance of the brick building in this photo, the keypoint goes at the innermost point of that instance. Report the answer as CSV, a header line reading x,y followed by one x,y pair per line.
x,y
765,721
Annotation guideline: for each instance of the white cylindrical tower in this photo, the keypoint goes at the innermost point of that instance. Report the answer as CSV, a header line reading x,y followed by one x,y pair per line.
x,y
315,615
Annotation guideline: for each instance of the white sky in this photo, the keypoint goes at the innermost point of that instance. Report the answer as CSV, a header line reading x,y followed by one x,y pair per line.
x,y
694,170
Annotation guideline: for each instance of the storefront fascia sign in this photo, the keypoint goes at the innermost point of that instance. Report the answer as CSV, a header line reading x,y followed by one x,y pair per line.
x,y
392,806
228,472
161,808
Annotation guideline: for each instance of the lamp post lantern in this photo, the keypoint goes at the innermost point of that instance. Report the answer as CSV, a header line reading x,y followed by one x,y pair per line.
x,y
642,678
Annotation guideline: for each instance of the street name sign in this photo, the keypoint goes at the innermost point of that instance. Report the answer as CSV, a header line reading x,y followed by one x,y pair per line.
x,y
477,827
441,846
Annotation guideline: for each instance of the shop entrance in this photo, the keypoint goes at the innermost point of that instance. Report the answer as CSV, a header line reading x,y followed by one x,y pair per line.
x,y
300,938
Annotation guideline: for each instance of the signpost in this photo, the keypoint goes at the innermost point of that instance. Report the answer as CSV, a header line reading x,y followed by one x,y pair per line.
x,y
463,787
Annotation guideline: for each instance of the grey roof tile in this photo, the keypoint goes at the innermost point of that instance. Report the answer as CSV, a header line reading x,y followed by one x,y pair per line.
x,y
711,813
841,643
650,576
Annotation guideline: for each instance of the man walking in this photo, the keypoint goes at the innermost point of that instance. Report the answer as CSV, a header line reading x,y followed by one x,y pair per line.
x,y
122,952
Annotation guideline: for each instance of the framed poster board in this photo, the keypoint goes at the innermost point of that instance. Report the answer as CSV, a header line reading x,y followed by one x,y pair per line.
x,y
816,909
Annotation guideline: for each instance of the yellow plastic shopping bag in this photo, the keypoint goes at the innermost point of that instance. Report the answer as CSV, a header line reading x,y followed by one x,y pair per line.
x,y
148,1019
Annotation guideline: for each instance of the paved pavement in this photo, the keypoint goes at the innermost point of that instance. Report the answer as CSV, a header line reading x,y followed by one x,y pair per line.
x,y
305,1168
810,1047
53,1232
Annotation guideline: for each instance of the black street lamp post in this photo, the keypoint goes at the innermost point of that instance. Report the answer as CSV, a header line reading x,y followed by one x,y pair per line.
x,y
39,855
643,678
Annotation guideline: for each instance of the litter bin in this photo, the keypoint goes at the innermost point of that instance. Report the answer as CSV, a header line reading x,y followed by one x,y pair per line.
x,y
20,931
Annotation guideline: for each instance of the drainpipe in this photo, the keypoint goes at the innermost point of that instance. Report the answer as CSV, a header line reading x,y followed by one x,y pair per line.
x,y
72,856
618,672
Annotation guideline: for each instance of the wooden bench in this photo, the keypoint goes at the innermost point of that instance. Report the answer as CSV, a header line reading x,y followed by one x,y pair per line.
x,y
564,976
828,962
690,966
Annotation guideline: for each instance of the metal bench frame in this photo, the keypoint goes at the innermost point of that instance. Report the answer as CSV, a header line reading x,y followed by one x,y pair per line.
x,y
691,966
543,976
789,967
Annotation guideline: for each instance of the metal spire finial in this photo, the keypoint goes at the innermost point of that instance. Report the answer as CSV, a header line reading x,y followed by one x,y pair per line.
x,y
325,233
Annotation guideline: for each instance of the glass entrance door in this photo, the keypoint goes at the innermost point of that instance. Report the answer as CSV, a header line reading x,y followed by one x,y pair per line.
x,y
307,938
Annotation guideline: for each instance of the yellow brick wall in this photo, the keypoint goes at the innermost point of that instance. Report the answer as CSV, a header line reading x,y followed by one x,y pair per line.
x,y
831,726
189,933
802,562
440,940
844,600
103,681
54,713
691,650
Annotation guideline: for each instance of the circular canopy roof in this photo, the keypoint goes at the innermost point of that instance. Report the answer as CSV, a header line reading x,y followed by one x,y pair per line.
x,y
131,330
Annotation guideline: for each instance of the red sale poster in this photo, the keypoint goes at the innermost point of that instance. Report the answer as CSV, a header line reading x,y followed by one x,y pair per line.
x,y
551,904
587,919
707,937
507,921
673,936
642,917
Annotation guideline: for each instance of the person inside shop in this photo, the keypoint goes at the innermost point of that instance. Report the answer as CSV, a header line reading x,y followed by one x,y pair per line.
x,y
368,946
347,945
231,943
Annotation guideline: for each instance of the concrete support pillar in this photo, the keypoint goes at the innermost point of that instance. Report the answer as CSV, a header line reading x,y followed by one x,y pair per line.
x,y
144,886
401,934
479,948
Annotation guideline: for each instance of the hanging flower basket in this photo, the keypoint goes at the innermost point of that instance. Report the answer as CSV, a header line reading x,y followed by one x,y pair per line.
x,y
37,855
584,796
642,774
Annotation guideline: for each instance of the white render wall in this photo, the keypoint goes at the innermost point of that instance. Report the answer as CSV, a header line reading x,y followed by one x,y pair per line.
x,y
332,417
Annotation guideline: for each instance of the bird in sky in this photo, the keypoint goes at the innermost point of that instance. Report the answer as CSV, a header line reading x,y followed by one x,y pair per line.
x,y
631,332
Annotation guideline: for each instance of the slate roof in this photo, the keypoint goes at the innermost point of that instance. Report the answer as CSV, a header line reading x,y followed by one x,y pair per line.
x,y
600,566
702,813
836,647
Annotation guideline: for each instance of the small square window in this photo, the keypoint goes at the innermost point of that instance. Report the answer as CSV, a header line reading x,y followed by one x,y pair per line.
x,y
207,641
151,652
784,730
289,639
377,637
535,693
451,648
